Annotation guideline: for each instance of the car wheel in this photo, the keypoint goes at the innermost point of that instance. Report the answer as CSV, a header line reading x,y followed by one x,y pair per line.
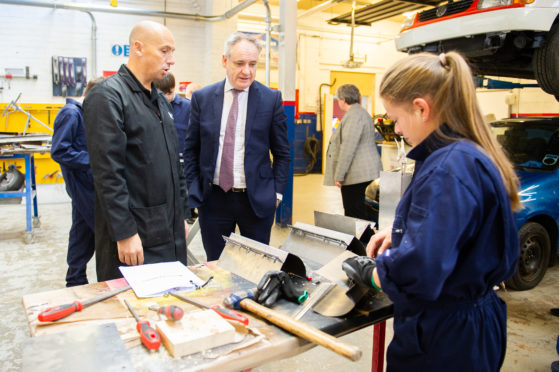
x,y
535,248
546,62
11,180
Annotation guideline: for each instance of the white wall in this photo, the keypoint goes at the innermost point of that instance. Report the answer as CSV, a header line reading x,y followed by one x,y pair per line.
x,y
323,48
30,36
504,103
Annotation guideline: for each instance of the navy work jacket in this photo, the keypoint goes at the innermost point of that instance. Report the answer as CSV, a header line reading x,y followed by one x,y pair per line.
x,y
454,235
69,149
181,113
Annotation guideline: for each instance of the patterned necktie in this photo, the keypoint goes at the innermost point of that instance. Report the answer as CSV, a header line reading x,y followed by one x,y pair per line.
x,y
228,152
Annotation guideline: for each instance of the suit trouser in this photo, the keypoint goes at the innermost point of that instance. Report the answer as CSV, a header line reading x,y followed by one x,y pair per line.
x,y
353,198
81,246
219,215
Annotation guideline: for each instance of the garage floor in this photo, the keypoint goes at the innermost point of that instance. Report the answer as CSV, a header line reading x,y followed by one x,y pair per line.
x,y
41,266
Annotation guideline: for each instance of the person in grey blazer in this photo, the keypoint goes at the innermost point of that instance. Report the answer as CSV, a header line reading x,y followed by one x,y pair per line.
x,y
352,159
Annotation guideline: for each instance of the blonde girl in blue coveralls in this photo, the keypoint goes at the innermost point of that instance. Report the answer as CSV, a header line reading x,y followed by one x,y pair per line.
x,y
454,235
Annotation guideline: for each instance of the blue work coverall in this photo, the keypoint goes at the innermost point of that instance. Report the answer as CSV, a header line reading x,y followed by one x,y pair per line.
x,y
453,238
69,149
181,114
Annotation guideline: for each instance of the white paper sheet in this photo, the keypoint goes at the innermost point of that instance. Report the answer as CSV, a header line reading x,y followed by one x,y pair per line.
x,y
153,280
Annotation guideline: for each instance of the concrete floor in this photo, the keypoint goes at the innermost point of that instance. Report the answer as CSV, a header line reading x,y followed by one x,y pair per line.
x,y
41,266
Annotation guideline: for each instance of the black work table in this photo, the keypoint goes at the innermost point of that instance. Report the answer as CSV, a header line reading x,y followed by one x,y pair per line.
x,y
275,343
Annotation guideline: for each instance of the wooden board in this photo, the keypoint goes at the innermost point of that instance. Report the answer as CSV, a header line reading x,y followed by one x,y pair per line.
x,y
110,309
197,331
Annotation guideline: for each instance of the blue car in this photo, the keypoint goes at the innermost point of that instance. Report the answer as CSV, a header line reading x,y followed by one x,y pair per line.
x,y
532,144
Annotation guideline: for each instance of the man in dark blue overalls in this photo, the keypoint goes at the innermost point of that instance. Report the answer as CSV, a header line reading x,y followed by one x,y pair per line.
x,y
69,149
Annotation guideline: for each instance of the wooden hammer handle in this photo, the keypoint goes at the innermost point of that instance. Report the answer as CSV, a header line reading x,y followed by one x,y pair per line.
x,y
302,330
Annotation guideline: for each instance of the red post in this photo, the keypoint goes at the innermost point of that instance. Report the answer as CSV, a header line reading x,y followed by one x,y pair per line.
x,y
379,331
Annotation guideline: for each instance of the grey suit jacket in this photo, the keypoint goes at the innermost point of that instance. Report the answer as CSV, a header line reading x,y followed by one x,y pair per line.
x,y
352,156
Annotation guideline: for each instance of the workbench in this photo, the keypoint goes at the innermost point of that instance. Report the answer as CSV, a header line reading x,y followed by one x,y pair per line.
x,y
264,343
29,193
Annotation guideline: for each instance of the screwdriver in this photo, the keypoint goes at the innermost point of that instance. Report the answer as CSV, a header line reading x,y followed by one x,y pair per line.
x,y
149,336
223,312
172,312
61,311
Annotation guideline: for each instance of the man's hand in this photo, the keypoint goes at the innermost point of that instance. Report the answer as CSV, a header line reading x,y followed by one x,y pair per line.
x,y
360,270
131,251
380,242
186,229
275,283
338,184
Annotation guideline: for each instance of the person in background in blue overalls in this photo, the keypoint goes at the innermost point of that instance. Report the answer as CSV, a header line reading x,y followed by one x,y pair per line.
x,y
454,235
69,149
181,115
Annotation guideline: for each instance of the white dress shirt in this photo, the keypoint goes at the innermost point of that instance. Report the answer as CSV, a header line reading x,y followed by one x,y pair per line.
x,y
239,155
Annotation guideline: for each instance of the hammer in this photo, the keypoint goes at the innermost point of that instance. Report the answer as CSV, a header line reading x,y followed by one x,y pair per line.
x,y
245,300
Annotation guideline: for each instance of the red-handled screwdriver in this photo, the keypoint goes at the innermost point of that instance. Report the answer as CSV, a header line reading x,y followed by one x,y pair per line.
x,y
223,312
172,312
149,336
61,311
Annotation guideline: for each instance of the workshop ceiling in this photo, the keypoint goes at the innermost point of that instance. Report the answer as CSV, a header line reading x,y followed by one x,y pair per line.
x,y
367,11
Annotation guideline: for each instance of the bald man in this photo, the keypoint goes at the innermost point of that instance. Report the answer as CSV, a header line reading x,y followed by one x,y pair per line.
x,y
139,191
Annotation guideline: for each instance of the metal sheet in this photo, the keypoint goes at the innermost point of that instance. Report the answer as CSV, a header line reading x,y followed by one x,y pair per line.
x,y
319,245
320,291
344,296
392,187
361,229
251,260
92,348
194,229
33,138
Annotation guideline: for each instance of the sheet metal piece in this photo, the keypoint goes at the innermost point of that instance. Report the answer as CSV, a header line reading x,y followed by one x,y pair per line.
x,y
92,348
251,260
194,229
320,245
320,291
392,187
344,296
361,229
28,138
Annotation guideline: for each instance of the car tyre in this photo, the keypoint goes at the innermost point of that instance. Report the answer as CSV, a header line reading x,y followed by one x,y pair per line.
x,y
11,180
546,63
535,248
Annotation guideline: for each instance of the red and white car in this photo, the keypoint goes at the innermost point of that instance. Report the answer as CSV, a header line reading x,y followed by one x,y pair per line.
x,y
511,38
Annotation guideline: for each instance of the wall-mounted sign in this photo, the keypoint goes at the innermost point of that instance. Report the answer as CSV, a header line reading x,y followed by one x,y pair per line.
x,y
121,50
69,76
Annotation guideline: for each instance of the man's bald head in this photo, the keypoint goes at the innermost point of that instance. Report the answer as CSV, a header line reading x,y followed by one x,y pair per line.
x,y
145,30
151,51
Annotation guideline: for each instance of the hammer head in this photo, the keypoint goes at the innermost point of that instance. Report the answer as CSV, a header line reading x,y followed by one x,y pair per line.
x,y
233,301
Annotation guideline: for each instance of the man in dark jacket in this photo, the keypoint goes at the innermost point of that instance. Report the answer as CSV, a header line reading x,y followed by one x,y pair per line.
x,y
139,190
69,149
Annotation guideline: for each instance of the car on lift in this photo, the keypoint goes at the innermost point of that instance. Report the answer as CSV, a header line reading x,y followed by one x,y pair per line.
x,y
532,144
507,38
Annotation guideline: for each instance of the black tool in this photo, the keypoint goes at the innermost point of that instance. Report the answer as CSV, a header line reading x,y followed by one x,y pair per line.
x,y
149,336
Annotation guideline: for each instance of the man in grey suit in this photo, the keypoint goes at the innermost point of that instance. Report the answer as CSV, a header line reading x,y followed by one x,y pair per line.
x,y
352,160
